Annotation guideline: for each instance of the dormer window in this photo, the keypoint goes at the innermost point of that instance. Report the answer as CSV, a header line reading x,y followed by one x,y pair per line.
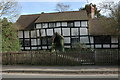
x,y
70,24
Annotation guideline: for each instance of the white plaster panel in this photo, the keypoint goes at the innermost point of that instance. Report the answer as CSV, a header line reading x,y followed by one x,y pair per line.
x,y
58,30
58,24
38,33
67,46
67,40
114,46
27,48
84,24
91,40
92,46
49,32
45,25
39,47
83,31
26,33
77,23
44,47
20,34
49,47
38,42
38,26
74,31
114,40
21,48
34,47
106,46
98,46
66,31
64,23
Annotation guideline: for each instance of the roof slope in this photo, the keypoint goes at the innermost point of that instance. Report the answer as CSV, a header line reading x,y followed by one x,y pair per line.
x,y
101,26
62,16
26,22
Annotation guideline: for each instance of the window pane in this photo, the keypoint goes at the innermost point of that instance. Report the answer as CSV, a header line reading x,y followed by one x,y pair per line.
x,y
70,24
51,24
102,39
75,40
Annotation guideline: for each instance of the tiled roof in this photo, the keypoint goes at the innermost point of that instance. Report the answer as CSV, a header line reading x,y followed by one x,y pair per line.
x,y
26,22
62,16
101,26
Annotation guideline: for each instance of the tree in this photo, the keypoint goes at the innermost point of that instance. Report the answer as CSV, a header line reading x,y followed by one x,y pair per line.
x,y
10,41
62,7
9,9
88,9
114,15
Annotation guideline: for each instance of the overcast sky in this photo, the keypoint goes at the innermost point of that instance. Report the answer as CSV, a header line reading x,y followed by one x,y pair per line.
x,y
38,6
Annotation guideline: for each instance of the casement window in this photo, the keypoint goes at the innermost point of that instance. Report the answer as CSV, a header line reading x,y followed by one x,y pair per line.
x,y
51,24
70,24
25,43
49,40
44,41
102,39
75,40
42,25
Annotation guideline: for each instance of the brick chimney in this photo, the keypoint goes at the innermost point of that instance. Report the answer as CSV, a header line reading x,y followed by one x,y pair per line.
x,y
92,12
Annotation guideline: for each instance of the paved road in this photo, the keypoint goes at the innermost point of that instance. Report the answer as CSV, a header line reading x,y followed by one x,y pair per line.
x,y
60,79
31,75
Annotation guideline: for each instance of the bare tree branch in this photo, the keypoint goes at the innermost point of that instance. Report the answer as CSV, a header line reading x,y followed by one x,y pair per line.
x,y
62,7
9,8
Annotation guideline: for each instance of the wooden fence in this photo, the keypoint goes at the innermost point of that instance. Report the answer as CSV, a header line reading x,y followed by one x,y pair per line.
x,y
97,57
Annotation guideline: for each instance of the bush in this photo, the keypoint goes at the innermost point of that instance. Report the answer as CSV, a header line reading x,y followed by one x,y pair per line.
x,y
10,41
